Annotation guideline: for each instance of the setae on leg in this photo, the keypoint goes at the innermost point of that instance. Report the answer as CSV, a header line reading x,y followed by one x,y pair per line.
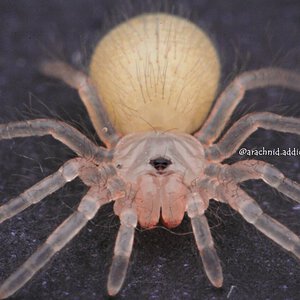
x,y
88,95
47,186
234,93
204,241
87,209
255,169
244,127
253,214
122,251
61,131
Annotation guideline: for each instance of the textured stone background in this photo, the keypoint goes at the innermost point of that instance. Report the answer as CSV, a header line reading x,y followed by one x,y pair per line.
x,y
164,265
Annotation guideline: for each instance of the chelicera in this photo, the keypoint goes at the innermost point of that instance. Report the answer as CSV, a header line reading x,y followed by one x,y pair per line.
x,y
152,81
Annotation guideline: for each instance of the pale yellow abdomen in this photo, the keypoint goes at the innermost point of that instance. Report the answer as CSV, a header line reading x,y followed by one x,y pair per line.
x,y
156,71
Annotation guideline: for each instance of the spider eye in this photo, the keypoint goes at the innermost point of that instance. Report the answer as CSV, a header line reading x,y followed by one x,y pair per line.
x,y
160,163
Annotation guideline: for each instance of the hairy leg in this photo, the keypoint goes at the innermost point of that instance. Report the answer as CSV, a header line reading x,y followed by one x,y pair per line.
x,y
234,93
88,95
196,207
47,186
122,251
255,169
87,209
61,131
244,127
253,214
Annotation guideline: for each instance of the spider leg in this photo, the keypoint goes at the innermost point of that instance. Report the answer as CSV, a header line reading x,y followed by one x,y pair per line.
x,y
61,131
255,169
122,251
88,95
204,241
244,127
234,93
87,209
253,214
66,173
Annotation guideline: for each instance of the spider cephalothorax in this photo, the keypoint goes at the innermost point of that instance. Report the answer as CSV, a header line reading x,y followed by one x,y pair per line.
x,y
154,78
160,167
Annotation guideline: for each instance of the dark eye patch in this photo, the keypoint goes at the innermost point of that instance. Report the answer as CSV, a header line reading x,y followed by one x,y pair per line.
x,y
160,163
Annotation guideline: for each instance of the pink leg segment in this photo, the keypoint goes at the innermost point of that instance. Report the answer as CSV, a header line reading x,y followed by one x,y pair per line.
x,y
195,209
122,251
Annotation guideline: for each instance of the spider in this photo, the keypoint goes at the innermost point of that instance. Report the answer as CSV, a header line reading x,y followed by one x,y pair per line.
x,y
151,83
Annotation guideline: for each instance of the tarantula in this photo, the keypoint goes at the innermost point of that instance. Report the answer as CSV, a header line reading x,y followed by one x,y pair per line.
x,y
152,81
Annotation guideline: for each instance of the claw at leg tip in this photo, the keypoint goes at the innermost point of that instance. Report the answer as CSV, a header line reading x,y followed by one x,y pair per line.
x,y
113,290
217,282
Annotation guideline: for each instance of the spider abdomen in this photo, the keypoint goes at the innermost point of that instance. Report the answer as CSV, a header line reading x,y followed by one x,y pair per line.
x,y
156,71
